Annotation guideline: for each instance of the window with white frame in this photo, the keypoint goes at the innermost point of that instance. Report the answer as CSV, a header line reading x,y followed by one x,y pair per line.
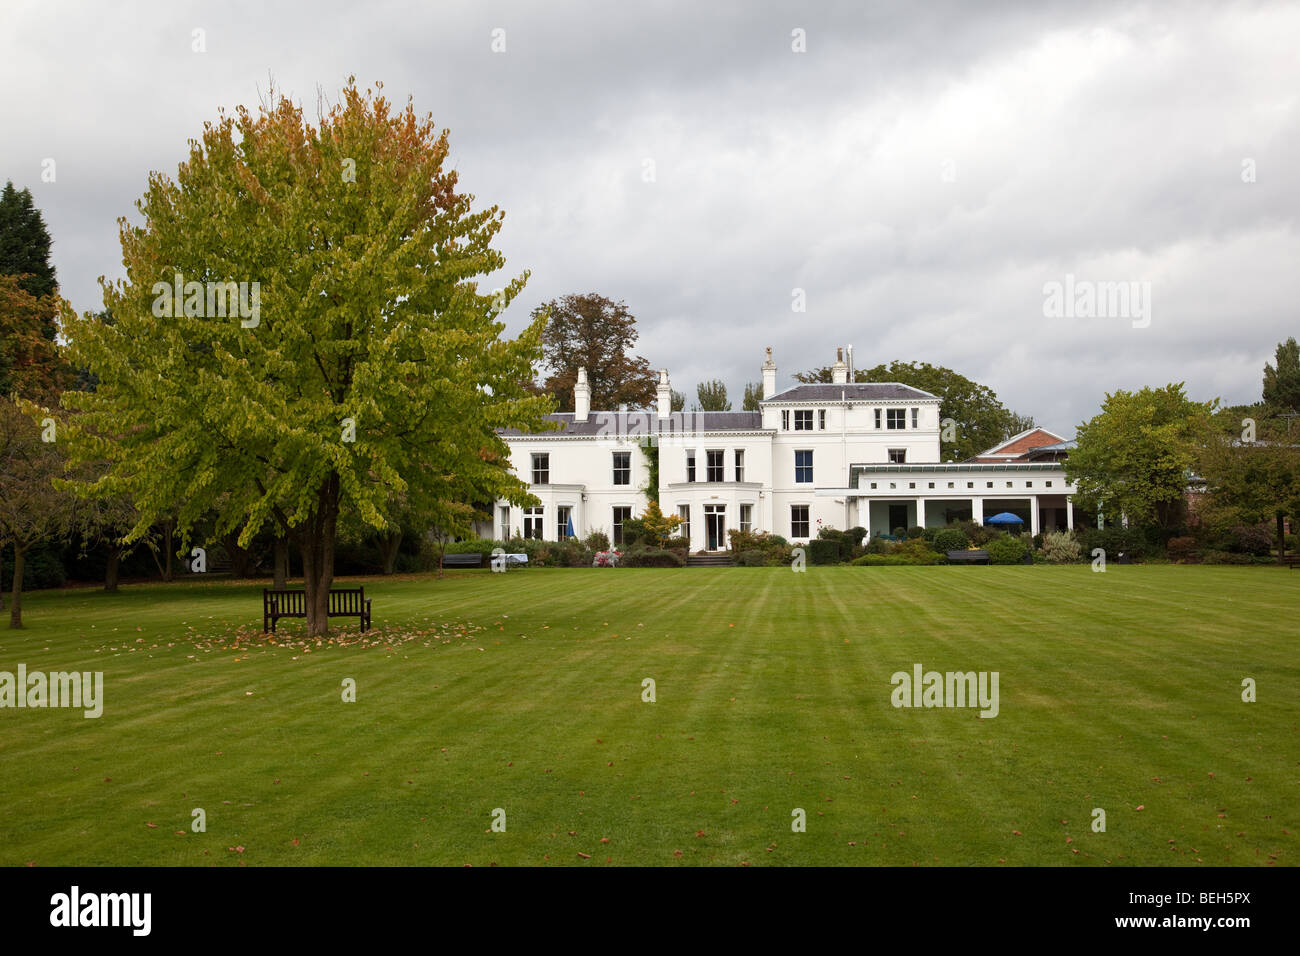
x,y
563,516
621,514
684,512
690,466
895,418
798,521
533,522
746,517
740,464
821,419
916,418
803,419
785,419
714,467
541,468
505,523
622,468
803,467
877,418
898,456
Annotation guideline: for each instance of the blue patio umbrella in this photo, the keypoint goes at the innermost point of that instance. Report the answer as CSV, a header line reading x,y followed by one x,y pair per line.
x,y
1005,518
568,530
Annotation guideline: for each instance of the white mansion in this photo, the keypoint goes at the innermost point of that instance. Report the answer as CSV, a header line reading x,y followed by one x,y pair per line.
x,y
835,455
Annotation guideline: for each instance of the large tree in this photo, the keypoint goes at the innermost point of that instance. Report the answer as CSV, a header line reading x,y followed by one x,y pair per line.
x,y
753,395
1282,382
366,365
1251,468
593,332
979,420
32,509
1137,455
713,396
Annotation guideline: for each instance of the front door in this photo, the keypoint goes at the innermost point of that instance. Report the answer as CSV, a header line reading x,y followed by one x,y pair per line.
x,y
715,527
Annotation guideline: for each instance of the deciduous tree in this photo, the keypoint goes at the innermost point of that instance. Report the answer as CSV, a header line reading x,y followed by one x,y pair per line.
x,y
593,332
1137,455
364,360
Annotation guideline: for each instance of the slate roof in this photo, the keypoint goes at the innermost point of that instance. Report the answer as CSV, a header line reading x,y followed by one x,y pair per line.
x,y
646,423
857,392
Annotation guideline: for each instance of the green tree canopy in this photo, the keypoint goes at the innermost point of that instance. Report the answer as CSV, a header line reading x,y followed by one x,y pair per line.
x,y
1138,454
1282,381
713,396
364,365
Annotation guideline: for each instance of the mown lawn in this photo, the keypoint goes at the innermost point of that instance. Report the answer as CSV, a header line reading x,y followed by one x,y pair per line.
x,y
523,691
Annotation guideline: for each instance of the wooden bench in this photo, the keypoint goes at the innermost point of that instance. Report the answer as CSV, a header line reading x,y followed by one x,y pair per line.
x,y
968,557
1291,560
474,560
343,602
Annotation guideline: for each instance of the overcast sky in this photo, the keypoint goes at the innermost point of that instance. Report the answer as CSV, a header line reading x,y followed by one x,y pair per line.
x,y
920,171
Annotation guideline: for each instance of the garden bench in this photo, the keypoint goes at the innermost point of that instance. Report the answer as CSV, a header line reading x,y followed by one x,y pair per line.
x,y
343,602
968,557
1291,560
474,560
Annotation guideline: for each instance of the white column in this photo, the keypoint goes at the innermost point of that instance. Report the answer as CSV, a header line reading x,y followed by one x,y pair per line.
x,y
920,511
977,510
1033,514
1069,512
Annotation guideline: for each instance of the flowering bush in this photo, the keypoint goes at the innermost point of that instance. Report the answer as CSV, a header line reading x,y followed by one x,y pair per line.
x,y
606,559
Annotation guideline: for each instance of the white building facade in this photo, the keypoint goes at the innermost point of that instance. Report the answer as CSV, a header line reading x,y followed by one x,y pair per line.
x,y
837,455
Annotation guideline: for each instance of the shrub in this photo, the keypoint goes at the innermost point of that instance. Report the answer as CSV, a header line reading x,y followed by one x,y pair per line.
x,y
1245,539
1115,540
904,557
823,551
1060,547
775,549
1007,549
596,541
605,559
1181,549
652,558
879,545
976,533
751,559
845,541
916,531
1226,557
950,539
899,532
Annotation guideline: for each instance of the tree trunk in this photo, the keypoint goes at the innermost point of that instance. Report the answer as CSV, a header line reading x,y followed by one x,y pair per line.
x,y
169,548
16,596
1281,537
389,545
316,542
241,559
2,576
110,570
281,563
